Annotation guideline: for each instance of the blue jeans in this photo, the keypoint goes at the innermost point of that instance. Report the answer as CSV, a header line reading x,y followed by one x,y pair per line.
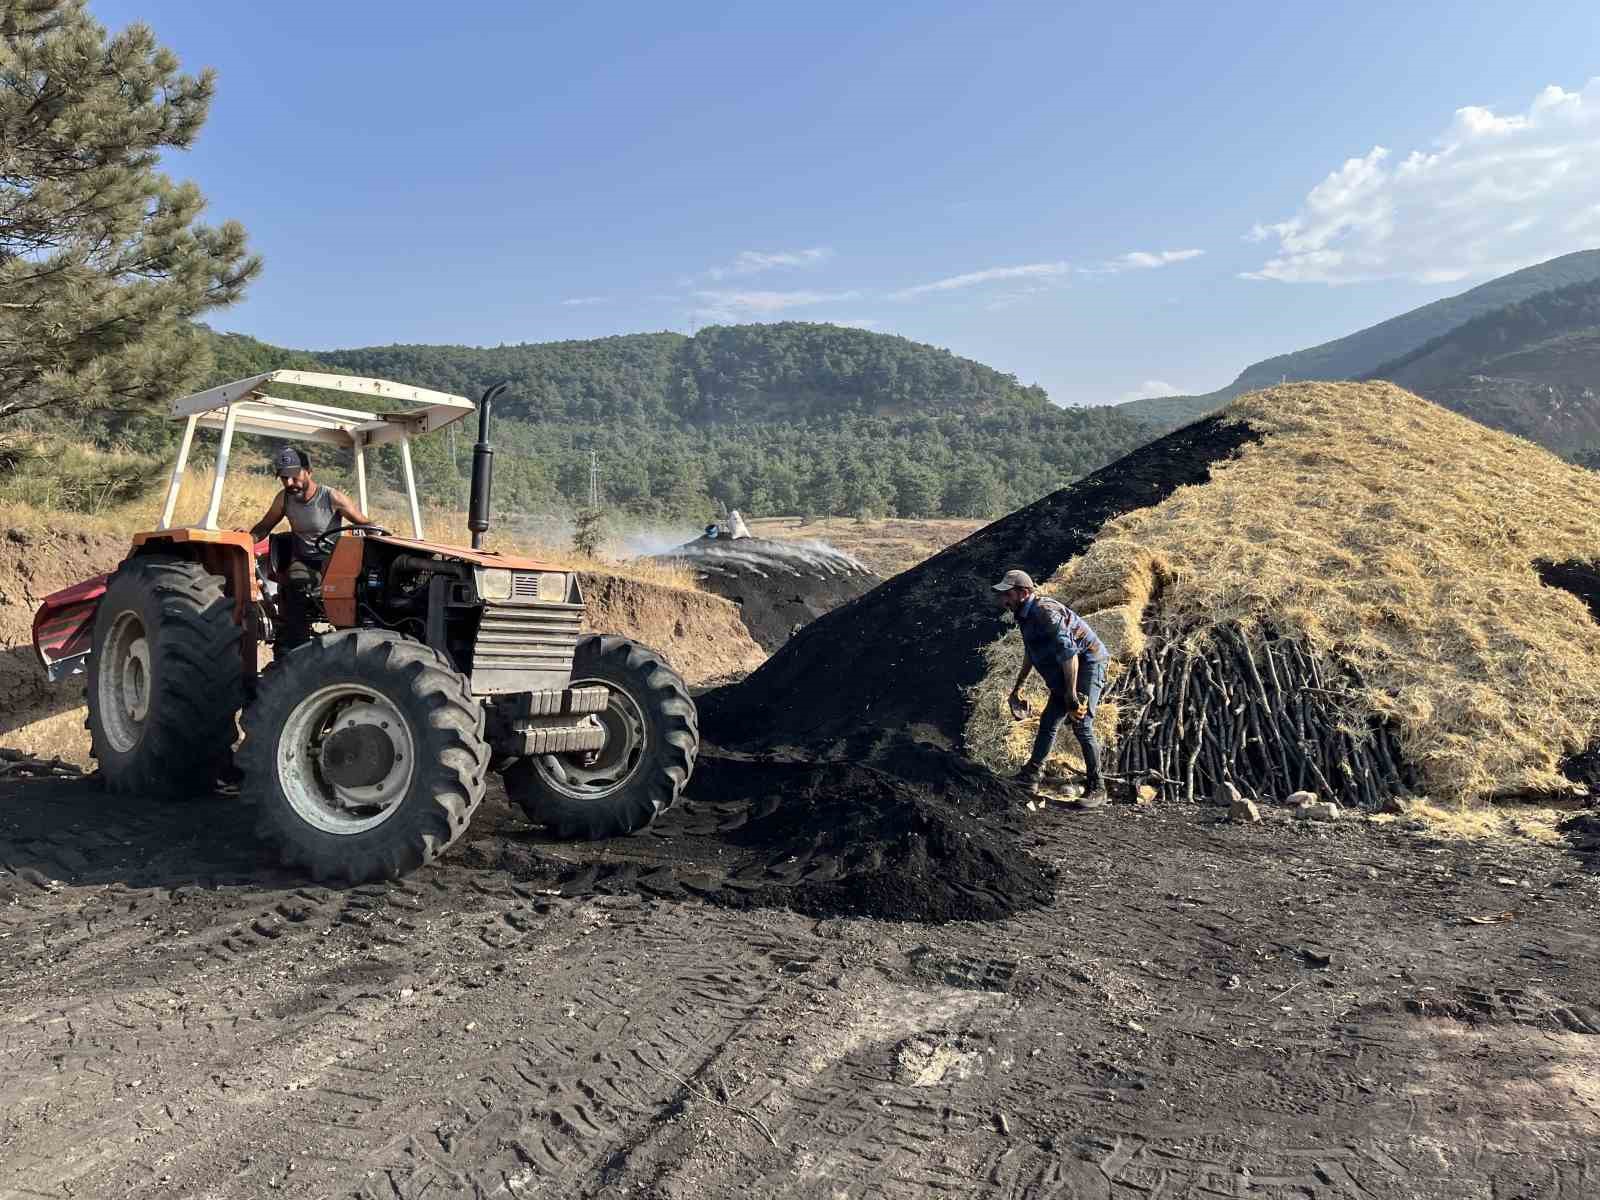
x,y
1091,682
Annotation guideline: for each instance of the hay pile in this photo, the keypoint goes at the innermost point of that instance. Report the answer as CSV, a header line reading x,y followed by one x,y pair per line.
x,y
1355,603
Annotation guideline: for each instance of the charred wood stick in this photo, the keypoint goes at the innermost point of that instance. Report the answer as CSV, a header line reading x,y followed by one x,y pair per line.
x,y
1254,676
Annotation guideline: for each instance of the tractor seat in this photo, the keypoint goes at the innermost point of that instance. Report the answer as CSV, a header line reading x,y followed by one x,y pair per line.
x,y
281,561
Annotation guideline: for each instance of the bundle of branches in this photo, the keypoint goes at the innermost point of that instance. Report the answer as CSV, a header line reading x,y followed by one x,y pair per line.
x,y
1265,715
15,762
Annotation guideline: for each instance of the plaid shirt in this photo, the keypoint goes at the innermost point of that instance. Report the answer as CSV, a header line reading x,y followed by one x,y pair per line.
x,y
1052,633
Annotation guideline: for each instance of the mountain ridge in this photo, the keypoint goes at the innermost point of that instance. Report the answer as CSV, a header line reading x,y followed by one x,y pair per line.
x,y
1360,354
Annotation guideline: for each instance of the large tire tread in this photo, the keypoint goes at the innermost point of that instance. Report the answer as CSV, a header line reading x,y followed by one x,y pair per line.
x,y
669,762
197,686
447,729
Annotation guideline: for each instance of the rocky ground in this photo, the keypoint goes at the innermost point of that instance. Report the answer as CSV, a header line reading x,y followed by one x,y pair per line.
x,y
1195,1008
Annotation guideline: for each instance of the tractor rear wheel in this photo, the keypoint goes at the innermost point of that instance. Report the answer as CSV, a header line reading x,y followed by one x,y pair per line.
x,y
165,679
364,755
652,740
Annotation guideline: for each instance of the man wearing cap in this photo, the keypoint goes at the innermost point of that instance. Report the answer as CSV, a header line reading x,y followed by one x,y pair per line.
x,y
1072,661
313,509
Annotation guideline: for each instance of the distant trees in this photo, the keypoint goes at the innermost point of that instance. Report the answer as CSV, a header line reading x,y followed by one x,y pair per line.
x,y
986,451
589,532
103,263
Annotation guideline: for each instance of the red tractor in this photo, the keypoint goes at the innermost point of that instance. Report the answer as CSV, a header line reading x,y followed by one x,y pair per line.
x,y
367,748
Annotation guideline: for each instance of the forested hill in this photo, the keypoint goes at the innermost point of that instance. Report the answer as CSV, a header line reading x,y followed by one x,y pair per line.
x,y
1362,353
1530,368
725,373
770,419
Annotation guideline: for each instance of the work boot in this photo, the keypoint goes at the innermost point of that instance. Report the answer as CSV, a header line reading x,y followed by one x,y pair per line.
x,y
1094,795
1028,777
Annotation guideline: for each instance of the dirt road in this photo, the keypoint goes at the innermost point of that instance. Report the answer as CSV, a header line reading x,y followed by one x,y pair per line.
x,y
1204,1010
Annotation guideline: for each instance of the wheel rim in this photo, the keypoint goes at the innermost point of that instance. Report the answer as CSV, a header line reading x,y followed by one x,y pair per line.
x,y
124,682
346,759
595,775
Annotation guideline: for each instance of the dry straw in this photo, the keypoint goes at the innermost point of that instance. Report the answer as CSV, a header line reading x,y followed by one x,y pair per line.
x,y
1384,531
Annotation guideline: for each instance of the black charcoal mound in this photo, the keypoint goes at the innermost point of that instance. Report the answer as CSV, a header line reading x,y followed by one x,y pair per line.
x,y
778,585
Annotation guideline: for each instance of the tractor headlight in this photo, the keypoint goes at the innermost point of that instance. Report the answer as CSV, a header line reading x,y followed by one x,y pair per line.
x,y
494,585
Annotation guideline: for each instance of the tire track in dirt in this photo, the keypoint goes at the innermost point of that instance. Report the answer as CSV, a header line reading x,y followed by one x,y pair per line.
x,y
1204,1009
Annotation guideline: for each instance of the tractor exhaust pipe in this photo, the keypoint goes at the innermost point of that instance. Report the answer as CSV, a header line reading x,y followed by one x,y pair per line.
x,y
482,469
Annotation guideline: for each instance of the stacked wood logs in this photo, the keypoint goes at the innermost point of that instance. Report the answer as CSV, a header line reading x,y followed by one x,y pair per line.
x,y
1265,716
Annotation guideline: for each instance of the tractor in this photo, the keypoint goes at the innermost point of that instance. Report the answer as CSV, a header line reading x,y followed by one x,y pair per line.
x,y
366,749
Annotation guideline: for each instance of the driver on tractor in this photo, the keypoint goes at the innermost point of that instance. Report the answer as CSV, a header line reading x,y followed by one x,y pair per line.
x,y
313,510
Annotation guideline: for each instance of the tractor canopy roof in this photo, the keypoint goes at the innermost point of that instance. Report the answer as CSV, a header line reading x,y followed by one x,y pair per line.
x,y
250,409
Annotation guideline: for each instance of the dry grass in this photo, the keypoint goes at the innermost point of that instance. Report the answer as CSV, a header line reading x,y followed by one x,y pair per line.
x,y
246,497
1391,533
1485,823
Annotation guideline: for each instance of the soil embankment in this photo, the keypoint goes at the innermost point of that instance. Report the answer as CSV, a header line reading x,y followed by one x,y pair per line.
x,y
700,635
36,716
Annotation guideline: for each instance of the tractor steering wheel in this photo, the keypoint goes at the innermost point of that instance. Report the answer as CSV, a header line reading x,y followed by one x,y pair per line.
x,y
325,540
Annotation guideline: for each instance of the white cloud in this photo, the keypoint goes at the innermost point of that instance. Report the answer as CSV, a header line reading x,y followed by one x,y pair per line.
x,y
722,307
1041,270
750,262
578,301
1143,260
1493,194
1151,388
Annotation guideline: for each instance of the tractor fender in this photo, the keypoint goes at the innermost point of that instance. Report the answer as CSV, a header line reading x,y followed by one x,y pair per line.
x,y
64,627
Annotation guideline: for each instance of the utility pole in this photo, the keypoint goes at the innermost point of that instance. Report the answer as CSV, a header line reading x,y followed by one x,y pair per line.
x,y
455,467
594,479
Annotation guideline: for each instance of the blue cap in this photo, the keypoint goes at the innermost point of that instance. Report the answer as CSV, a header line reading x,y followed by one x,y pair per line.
x,y
286,461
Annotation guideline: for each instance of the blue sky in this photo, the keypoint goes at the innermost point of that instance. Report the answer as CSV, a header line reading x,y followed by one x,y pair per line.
x,y
1108,200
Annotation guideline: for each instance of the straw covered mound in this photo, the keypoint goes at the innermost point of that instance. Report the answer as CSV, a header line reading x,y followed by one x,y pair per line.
x,y
1374,570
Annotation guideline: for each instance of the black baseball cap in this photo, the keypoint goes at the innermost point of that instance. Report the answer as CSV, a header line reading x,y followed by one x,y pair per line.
x,y
289,461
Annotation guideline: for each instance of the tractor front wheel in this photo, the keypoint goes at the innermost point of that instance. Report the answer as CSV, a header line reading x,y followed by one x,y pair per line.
x,y
652,740
364,755
165,679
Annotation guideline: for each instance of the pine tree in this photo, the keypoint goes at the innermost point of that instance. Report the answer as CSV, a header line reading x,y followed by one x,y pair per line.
x,y
590,532
102,263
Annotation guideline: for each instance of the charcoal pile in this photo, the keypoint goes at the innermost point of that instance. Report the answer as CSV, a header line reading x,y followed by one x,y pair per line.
x,y
899,660
779,586
920,835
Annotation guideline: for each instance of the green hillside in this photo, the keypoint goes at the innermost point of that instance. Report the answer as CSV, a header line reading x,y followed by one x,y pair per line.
x,y
1362,353
752,373
1531,368
783,418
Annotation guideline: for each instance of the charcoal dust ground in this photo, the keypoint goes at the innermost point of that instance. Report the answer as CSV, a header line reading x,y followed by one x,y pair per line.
x,y
919,836
1201,1009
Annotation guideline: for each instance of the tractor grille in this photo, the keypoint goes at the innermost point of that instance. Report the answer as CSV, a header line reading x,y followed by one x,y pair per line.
x,y
531,585
522,648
